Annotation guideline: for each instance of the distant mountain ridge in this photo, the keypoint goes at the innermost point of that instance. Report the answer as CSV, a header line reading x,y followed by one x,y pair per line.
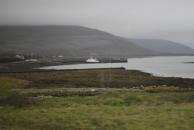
x,y
69,41
164,46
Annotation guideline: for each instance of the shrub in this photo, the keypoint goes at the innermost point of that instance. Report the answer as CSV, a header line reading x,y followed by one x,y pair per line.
x,y
163,88
132,100
16,100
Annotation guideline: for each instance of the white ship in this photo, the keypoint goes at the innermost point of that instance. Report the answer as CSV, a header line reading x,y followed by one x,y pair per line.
x,y
92,60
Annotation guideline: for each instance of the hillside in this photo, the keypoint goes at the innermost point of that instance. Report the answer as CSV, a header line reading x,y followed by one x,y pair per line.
x,y
164,46
69,41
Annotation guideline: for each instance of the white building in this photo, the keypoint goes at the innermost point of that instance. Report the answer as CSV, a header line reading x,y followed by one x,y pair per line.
x,y
20,57
31,60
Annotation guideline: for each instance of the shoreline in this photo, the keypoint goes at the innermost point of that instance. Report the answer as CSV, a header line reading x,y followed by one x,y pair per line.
x,y
19,67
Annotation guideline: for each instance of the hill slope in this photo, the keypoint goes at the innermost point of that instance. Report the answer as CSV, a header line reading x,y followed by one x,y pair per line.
x,y
70,41
163,46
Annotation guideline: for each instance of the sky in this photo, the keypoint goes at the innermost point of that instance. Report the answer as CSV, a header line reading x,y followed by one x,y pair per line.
x,y
155,19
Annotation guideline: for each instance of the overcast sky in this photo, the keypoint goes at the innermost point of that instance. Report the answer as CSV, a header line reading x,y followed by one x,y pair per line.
x,y
166,19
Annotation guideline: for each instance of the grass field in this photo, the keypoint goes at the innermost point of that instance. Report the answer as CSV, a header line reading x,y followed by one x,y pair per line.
x,y
104,99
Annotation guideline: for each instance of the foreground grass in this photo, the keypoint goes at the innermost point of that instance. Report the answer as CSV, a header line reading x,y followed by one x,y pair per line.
x,y
103,118
112,110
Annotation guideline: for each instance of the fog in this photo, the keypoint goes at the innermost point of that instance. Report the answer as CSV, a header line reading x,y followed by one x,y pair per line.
x,y
164,19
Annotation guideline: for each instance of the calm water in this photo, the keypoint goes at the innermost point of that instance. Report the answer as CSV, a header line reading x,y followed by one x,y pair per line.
x,y
174,66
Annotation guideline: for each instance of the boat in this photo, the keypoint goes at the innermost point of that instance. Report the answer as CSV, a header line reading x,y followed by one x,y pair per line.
x,y
92,60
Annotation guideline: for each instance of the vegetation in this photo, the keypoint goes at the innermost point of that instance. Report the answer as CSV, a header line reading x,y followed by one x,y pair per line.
x,y
112,110
104,99
16,100
99,78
